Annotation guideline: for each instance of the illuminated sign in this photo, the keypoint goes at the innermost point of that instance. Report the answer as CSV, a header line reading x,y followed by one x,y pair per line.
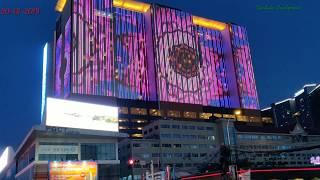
x,y
132,5
315,160
73,114
78,170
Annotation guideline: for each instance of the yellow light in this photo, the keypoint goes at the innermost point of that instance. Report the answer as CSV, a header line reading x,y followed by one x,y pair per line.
x,y
60,5
237,112
208,23
132,5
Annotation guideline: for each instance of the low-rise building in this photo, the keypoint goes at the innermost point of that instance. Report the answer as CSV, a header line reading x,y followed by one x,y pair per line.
x,y
44,144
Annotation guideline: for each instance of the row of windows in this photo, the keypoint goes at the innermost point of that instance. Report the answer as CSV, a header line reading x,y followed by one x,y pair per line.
x,y
58,157
263,137
175,126
270,147
156,165
176,155
178,114
186,136
190,146
98,151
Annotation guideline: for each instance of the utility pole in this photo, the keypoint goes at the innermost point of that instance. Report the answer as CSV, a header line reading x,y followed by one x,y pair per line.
x,y
151,167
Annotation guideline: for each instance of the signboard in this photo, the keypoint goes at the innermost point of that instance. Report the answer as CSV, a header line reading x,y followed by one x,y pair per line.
x,y
315,160
73,114
58,149
73,170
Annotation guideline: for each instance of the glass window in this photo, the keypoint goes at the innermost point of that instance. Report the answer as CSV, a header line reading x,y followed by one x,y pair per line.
x,y
174,113
174,126
123,120
177,146
163,135
155,145
165,126
98,151
155,112
205,115
137,135
155,155
192,115
200,128
166,145
123,110
138,111
209,128
139,120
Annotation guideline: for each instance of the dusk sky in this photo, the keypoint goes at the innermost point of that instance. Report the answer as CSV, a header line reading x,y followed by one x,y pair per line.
x,y
284,44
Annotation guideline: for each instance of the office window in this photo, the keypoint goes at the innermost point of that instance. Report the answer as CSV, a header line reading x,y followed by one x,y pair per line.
x,y
98,151
200,128
137,135
166,145
58,157
155,155
209,128
139,120
175,126
123,110
205,115
192,115
174,114
155,112
165,126
138,111
136,145
155,145
123,120
177,146
163,135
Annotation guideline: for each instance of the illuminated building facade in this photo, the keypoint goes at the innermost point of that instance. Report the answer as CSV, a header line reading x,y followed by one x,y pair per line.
x,y
137,51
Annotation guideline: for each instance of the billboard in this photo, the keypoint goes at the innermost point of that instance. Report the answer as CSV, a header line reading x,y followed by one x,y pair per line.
x,y
73,114
73,170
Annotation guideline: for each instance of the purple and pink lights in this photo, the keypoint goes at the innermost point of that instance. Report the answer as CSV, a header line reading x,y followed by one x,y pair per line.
x,y
158,55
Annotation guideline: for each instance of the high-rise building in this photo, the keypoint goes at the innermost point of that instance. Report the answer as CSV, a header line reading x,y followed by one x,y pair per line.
x,y
138,51
152,61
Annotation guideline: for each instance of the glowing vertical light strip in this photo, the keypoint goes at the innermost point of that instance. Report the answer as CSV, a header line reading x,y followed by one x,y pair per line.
x,y
44,78
4,159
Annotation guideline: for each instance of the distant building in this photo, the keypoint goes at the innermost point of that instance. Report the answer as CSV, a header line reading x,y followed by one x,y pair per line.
x,y
283,112
287,112
303,106
314,100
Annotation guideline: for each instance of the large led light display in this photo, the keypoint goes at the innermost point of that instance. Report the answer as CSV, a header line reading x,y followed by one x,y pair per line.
x,y
93,63
73,170
131,55
189,60
176,58
244,70
155,53
73,114
62,62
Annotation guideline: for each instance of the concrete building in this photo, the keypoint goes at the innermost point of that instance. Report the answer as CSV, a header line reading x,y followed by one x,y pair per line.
x,y
48,144
183,145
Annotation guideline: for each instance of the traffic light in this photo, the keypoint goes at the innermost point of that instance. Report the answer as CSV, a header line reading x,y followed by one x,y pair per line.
x,y
131,162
